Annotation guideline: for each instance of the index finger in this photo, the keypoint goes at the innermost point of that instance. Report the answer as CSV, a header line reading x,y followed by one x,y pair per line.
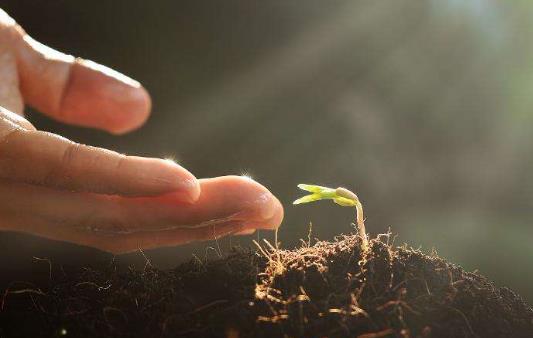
x,y
40,158
73,90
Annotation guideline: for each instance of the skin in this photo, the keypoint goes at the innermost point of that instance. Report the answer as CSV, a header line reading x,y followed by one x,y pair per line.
x,y
55,188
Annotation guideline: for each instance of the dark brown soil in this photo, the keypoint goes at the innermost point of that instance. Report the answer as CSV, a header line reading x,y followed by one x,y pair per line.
x,y
326,290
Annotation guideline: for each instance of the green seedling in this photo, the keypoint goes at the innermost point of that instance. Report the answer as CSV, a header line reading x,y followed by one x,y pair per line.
x,y
340,196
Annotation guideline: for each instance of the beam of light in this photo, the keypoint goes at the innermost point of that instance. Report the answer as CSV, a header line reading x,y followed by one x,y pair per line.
x,y
282,68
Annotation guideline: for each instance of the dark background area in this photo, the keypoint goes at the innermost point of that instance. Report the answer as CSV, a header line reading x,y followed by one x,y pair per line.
x,y
424,108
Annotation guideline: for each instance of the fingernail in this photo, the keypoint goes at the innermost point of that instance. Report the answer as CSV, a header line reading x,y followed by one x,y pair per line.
x,y
274,221
266,212
267,205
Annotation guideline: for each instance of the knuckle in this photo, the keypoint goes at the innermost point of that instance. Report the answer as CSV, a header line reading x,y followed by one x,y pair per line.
x,y
69,154
120,162
60,171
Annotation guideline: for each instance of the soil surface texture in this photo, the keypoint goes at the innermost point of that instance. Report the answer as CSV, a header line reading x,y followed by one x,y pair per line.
x,y
328,289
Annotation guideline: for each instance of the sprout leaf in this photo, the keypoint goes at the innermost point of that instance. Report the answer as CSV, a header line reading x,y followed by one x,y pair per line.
x,y
340,196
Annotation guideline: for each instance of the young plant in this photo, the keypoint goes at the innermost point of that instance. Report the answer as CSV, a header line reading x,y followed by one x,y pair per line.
x,y
340,196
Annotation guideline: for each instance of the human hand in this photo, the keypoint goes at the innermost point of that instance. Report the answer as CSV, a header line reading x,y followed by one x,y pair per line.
x,y
55,188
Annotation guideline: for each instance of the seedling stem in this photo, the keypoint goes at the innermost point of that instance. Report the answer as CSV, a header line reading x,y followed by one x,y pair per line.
x,y
342,197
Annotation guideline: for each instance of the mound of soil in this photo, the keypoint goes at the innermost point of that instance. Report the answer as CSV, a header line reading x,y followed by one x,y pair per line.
x,y
330,289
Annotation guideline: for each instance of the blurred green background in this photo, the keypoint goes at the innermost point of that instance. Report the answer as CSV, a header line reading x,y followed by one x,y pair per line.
x,y
424,108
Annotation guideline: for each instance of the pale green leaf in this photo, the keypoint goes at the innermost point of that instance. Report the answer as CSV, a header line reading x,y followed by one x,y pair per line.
x,y
307,199
314,188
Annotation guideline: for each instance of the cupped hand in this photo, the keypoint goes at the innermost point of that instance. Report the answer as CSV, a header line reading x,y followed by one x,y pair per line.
x,y
59,189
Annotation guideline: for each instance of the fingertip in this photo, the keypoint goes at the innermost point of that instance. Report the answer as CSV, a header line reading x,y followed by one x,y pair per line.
x,y
270,208
279,213
140,104
265,211
272,223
